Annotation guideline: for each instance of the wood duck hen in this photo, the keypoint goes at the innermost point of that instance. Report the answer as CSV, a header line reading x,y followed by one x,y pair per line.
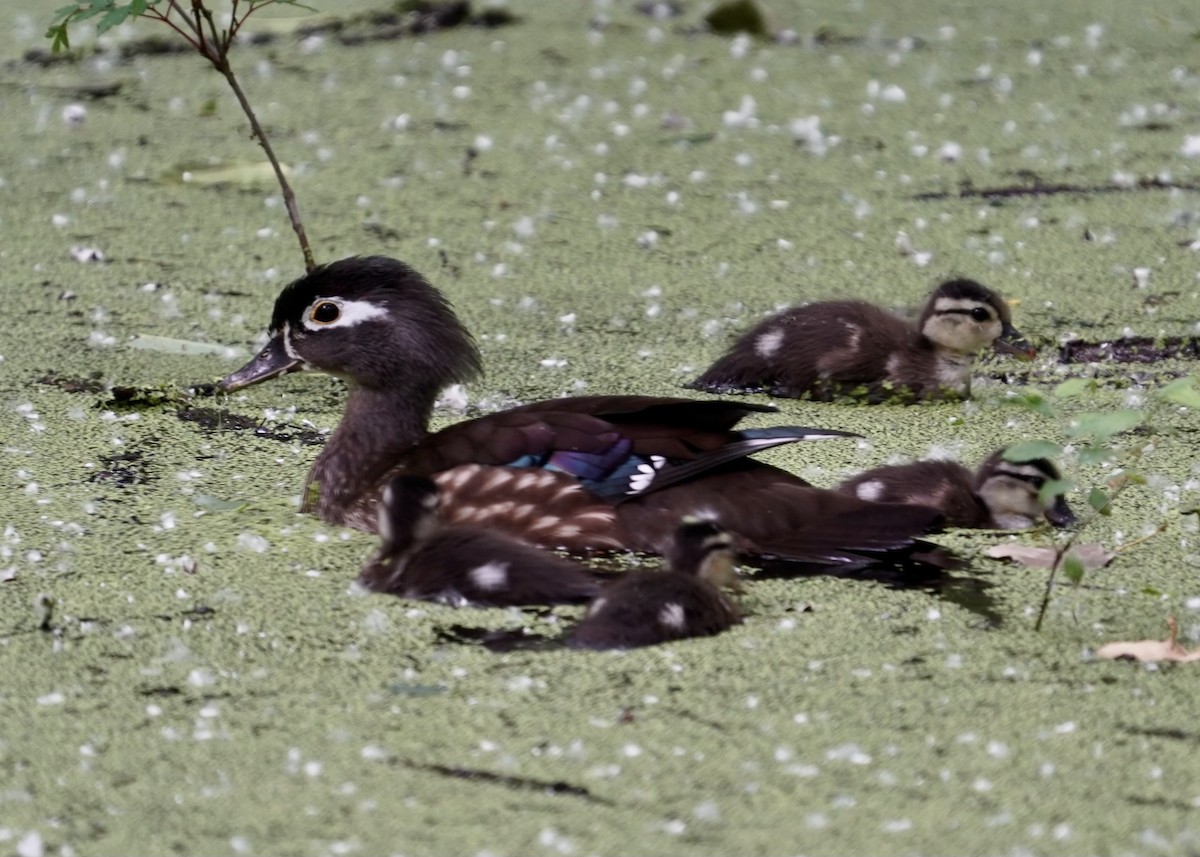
x,y
831,350
421,557
644,608
999,495
582,473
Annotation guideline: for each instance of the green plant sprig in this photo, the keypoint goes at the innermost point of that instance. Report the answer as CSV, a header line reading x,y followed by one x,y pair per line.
x,y
1094,433
195,23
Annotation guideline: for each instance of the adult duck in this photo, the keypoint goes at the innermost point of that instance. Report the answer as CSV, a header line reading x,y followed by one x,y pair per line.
x,y
581,473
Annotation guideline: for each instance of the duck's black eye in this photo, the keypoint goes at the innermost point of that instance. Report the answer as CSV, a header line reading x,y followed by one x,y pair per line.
x,y
980,313
326,312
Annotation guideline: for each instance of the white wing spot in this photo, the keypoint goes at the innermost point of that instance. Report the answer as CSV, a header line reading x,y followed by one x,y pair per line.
x,y
769,343
499,477
490,576
567,531
544,522
872,490
596,606
672,616
528,480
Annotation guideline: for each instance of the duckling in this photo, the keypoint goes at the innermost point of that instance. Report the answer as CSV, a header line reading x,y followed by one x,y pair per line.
x,y
582,473
463,566
643,608
852,349
1000,495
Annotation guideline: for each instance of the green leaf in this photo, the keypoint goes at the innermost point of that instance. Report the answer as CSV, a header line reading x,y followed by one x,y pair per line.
x,y
115,17
1072,568
59,41
98,7
186,347
1031,450
1099,500
1074,387
1032,401
1094,454
1102,426
216,504
1182,391
1054,488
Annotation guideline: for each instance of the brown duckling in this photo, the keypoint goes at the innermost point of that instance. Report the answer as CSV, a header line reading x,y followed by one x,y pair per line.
x,y
463,566
582,473
643,608
1000,495
853,349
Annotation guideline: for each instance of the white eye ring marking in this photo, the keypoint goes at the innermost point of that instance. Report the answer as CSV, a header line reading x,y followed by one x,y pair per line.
x,y
350,313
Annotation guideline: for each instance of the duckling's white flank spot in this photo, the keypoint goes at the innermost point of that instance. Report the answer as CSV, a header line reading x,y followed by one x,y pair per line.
x,y
871,491
596,606
351,313
769,343
672,615
490,576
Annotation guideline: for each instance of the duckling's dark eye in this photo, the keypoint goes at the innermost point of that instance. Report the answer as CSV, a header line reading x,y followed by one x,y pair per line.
x,y
981,314
326,312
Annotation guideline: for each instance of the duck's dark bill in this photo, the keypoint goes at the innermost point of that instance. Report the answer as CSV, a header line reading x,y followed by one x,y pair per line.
x,y
1060,514
271,362
1012,342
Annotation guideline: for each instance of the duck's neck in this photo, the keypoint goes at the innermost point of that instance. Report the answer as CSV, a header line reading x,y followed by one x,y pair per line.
x,y
377,429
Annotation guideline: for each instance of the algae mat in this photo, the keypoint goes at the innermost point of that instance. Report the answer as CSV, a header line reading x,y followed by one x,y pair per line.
x,y
607,196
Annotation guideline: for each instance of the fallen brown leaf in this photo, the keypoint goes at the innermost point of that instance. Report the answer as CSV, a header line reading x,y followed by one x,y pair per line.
x,y
1093,555
1151,650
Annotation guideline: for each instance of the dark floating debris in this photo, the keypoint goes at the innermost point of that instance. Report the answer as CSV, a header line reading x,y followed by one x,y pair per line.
x,y
1039,188
1131,349
218,420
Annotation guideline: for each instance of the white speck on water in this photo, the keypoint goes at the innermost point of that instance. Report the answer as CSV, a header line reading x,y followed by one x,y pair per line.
x,y
548,837
253,542
1065,728
74,115
997,749
851,753
31,845
675,827
53,698
239,844
86,254
898,825
933,614
1191,146
1047,769
707,811
743,116
201,677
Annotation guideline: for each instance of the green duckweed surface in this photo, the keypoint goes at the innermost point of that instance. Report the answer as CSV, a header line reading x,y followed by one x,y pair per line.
x,y
185,668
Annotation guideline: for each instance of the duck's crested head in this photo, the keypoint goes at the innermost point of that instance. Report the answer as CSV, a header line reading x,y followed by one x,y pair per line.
x,y
1012,491
965,316
372,320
